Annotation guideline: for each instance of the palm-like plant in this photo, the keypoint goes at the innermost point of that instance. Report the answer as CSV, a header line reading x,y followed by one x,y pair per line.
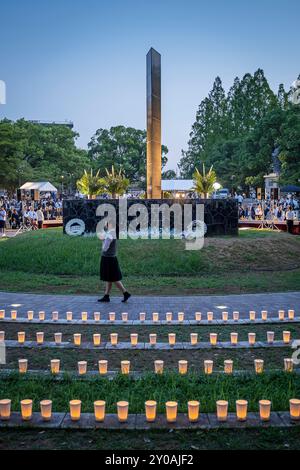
x,y
91,184
115,182
204,183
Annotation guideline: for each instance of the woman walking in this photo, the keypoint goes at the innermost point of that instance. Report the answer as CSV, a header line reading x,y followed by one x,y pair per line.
x,y
109,266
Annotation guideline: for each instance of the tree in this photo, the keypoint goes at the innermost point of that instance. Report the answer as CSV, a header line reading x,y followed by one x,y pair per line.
x,y
90,184
168,175
115,183
204,183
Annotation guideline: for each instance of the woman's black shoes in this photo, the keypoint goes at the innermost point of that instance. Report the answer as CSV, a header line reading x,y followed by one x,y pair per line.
x,y
126,296
105,298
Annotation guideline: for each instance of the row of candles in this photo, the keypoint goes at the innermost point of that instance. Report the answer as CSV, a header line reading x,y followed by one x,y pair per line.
x,y
158,366
134,337
155,316
150,410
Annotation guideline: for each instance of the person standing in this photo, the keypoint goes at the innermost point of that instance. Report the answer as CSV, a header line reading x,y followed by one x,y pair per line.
x,y
289,217
2,221
40,217
110,271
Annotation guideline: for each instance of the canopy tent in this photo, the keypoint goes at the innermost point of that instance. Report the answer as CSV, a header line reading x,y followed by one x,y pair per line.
x,y
44,186
177,185
290,188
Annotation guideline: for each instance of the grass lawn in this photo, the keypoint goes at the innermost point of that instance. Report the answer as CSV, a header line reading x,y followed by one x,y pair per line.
x,y
256,261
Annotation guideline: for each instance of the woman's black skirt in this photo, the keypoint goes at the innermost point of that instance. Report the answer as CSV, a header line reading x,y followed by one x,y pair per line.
x,y
109,269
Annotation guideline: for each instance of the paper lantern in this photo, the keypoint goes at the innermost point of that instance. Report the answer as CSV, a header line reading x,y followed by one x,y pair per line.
x,y
286,336
82,367
171,411
57,338
102,365
75,410
208,366
280,314
169,316
264,315
134,339
46,410
159,366
23,364
264,410
96,339
21,337
228,366
234,338
55,366
5,408
236,315
152,339
69,316
42,315
182,367
241,409
97,316
193,410
112,316
2,314
259,366
142,316
84,316
194,339
13,314
210,316
114,339
251,338
2,335
39,337
225,316
288,364
252,315
172,339
77,339
150,410
270,336
213,338
294,409
55,316
155,316
125,367
222,410
122,407
26,410
30,315
291,314
198,316
125,317
180,316
99,410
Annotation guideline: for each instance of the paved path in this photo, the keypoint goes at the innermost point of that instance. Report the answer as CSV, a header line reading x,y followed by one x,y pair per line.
x,y
188,304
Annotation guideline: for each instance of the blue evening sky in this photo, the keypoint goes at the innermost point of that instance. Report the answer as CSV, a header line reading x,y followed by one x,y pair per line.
x,y
84,60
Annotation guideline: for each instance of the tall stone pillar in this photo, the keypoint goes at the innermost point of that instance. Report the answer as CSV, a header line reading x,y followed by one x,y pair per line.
x,y
153,124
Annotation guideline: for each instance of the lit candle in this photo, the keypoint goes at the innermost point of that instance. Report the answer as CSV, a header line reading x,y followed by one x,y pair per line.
x,y
259,366
42,315
13,314
150,410
69,316
228,366
26,409
270,336
294,409
134,339
30,315
182,367
213,338
57,338
99,410
77,339
97,316
23,364
82,367
159,366
264,410
224,316
125,367
2,314
208,366
198,316
112,316
291,314
251,338
125,317
234,338
180,316
39,337
55,366
46,410
210,316
122,407
2,335
281,314
114,339
142,316
172,339
171,411
96,339
155,316
286,336
84,316
235,315
252,315
264,315
21,337
241,409
222,410
55,316
288,364
75,410
193,410
194,339
5,407
169,316
152,339
102,365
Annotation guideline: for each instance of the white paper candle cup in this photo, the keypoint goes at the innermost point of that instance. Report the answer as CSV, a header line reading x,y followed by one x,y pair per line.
x,y
2,336
208,366
264,410
222,410
172,339
169,317
182,367
155,317
142,316
241,409
30,314
194,339
288,364
213,338
125,317
171,411
264,315
102,366
236,315
46,410
193,410
23,364
69,316
122,407
259,366
286,337
2,314
291,314
234,338
97,316
152,339
252,315
39,337
114,339
58,338
225,316
42,315
228,366
198,316
55,316
13,314
125,367
75,410
294,409
77,339
84,316
251,338
21,337
281,315
270,337
180,316
26,410
112,316
99,410
97,339
55,366
158,366
82,367
150,410
5,409
210,316
134,339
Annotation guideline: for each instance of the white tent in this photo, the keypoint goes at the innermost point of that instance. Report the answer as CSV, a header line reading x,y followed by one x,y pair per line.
x,y
44,186
177,185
